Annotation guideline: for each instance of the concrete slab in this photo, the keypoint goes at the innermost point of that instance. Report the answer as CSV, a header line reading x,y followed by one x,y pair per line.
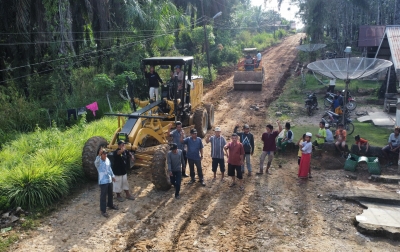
x,y
379,119
372,196
394,179
380,220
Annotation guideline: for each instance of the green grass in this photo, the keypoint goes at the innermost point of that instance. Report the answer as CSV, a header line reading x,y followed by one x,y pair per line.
x,y
5,242
41,167
293,97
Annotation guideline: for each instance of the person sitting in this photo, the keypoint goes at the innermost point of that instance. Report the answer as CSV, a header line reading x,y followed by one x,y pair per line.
x,y
288,138
341,135
329,134
361,142
336,105
248,63
321,136
393,143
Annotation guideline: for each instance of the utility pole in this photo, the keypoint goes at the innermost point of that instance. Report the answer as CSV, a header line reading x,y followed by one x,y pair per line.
x,y
206,42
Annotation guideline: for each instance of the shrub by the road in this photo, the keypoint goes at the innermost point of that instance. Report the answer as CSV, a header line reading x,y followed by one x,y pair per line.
x,y
41,167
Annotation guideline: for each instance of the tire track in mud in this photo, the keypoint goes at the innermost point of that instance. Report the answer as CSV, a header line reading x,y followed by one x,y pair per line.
x,y
274,93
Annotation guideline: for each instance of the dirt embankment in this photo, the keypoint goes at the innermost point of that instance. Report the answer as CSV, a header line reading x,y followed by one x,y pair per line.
x,y
274,212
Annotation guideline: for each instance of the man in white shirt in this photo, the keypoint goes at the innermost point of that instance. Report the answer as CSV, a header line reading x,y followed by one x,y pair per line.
x,y
329,134
258,58
332,84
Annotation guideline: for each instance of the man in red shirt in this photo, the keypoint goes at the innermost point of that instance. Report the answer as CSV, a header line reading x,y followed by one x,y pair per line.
x,y
235,159
269,149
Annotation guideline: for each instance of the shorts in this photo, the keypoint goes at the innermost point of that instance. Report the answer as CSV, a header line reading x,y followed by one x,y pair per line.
x,y
121,184
233,168
215,162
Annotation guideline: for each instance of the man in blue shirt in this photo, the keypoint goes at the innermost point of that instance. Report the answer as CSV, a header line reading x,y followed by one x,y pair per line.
x,y
106,179
194,155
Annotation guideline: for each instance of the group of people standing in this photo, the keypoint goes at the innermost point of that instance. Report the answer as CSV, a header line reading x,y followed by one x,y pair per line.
x,y
238,150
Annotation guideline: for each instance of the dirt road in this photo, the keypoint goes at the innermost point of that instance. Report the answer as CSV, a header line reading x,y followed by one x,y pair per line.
x,y
273,213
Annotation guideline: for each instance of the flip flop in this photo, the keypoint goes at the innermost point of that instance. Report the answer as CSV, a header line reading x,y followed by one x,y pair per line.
x,y
130,197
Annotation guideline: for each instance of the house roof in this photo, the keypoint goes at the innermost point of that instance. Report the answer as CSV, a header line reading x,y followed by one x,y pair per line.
x,y
370,35
393,36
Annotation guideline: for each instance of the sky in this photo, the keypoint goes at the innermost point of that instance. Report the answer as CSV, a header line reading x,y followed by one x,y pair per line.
x,y
287,11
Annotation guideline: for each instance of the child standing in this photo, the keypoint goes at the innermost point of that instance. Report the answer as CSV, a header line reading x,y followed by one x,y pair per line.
x,y
304,168
361,142
300,144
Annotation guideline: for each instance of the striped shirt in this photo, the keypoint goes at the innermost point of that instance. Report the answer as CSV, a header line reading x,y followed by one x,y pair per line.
x,y
217,146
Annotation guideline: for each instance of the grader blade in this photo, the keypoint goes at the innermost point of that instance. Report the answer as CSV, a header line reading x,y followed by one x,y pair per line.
x,y
248,80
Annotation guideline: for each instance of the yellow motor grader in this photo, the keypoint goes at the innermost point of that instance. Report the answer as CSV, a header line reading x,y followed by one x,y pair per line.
x,y
145,131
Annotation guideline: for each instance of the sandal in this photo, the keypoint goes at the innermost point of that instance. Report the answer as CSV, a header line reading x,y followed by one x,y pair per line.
x,y
105,214
114,207
232,185
130,197
241,188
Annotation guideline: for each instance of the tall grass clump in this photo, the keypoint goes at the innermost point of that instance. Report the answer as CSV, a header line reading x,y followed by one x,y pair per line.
x,y
41,167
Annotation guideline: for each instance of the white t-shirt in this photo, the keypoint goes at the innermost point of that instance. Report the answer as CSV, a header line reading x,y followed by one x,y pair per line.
x,y
258,56
332,82
307,147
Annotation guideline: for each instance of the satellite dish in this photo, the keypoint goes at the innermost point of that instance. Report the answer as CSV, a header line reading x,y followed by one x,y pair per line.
x,y
310,47
349,68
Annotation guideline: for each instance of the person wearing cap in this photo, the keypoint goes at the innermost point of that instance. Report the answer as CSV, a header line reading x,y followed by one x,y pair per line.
x,y
106,179
268,138
329,134
341,135
122,158
235,160
194,155
304,168
154,82
288,138
321,136
247,139
217,152
175,161
179,75
176,138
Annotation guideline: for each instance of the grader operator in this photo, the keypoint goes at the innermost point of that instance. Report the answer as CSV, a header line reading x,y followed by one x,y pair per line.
x,y
145,131
249,75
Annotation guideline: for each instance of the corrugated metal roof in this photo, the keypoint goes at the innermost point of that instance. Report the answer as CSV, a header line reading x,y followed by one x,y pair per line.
x,y
393,35
370,35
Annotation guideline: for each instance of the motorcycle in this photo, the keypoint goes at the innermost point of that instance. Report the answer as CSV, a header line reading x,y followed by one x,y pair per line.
x,y
330,55
351,102
334,119
311,103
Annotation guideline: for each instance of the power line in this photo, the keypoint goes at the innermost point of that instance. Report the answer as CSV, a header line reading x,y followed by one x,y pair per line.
x,y
33,64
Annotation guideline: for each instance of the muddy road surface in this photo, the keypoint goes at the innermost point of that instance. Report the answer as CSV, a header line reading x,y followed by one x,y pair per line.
x,y
274,212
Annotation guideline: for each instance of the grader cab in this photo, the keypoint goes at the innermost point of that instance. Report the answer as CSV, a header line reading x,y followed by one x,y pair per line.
x,y
249,75
145,131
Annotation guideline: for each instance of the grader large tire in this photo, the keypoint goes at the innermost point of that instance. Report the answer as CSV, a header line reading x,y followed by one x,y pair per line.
x,y
89,153
210,111
159,168
200,120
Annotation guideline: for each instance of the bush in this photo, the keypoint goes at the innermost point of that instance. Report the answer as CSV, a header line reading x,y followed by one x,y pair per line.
x,y
206,76
4,204
39,168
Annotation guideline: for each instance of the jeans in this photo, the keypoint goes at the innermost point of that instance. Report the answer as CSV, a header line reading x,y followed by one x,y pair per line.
x,y
262,158
198,166
176,179
106,190
248,164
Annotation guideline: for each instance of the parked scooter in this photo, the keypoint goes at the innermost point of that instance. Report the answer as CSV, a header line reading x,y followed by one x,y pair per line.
x,y
351,102
334,119
311,103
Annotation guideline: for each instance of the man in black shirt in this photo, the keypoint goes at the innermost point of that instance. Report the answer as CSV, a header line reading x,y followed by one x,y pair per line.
x,y
121,163
154,80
